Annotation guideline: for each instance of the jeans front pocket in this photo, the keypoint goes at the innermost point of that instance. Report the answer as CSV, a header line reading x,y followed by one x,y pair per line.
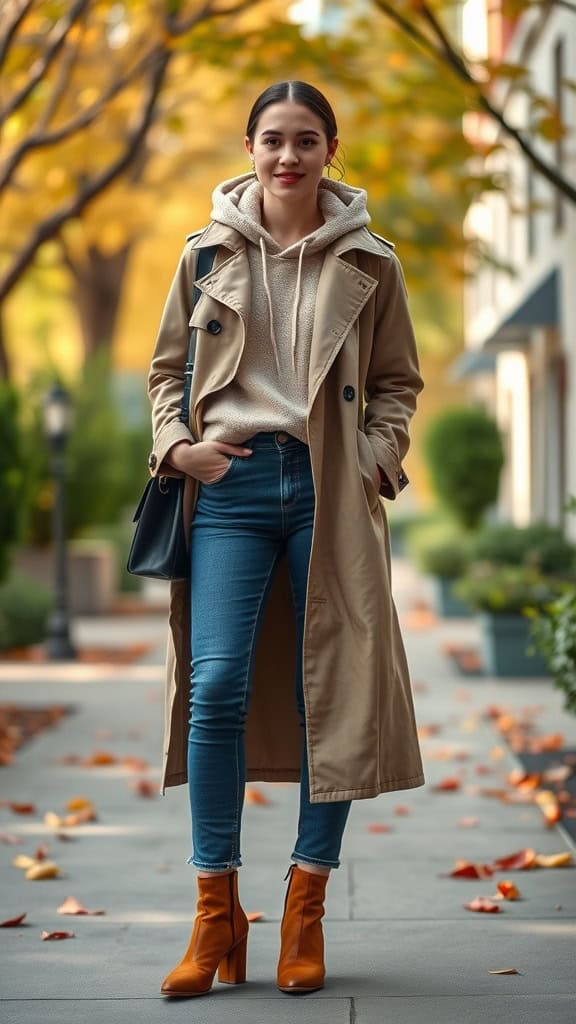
x,y
232,460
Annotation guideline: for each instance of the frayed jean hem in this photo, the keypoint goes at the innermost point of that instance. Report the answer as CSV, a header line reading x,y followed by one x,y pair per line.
x,y
214,867
318,863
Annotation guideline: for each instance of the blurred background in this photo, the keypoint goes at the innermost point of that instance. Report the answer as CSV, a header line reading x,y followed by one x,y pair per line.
x,y
117,121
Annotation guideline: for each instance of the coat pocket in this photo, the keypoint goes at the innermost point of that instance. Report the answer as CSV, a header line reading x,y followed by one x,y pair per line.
x,y
368,469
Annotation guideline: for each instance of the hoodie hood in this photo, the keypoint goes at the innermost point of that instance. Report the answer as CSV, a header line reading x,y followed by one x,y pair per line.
x,y
237,203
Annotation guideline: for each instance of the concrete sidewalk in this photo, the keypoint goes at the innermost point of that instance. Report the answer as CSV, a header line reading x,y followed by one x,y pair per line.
x,y
400,947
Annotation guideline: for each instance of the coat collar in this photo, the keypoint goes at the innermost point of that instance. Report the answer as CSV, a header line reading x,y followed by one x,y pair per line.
x,y
343,291
231,239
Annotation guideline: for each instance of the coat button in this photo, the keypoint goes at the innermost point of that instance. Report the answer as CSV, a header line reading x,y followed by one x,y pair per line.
x,y
152,461
349,393
214,327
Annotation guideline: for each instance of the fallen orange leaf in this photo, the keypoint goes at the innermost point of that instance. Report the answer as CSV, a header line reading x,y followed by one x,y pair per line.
x,y
144,787
519,861
468,822
524,780
402,810
72,906
424,731
256,796
508,890
548,804
377,828
466,869
505,970
255,915
447,784
23,860
545,744
18,808
554,860
41,870
78,803
135,764
98,758
557,773
13,922
57,935
483,905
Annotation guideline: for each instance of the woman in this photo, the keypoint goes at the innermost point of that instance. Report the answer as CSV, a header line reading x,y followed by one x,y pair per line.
x,y
305,381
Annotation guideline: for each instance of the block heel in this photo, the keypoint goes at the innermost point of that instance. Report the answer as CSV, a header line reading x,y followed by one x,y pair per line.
x,y
232,969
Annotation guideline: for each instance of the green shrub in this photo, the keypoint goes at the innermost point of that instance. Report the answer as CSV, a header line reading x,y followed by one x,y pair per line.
x,y
464,453
105,460
554,633
24,609
11,475
440,549
508,590
539,545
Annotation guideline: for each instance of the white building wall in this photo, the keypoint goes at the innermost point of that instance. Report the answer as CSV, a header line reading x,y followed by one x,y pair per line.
x,y
542,464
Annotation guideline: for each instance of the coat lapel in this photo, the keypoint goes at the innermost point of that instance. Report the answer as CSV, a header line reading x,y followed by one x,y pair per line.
x,y
343,291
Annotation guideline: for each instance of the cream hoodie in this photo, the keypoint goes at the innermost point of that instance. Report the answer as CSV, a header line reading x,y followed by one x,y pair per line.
x,y
270,389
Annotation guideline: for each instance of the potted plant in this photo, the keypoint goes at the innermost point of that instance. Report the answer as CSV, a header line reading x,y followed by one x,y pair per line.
x,y
443,552
503,596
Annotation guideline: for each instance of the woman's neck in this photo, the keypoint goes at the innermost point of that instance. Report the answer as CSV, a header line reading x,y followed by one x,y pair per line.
x,y
288,223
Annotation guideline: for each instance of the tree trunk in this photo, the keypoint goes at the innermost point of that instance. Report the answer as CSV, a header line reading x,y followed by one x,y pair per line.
x,y
98,289
4,358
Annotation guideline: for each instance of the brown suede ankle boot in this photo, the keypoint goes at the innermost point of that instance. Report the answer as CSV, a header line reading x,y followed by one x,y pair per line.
x,y
301,963
219,940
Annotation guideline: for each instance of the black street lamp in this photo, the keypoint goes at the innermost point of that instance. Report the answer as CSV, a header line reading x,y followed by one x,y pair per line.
x,y
57,425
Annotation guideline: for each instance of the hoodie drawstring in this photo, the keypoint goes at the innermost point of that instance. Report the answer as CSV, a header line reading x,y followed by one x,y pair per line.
x,y
297,303
269,297
295,307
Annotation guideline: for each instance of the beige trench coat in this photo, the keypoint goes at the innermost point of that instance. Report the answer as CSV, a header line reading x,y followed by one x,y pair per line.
x,y
360,723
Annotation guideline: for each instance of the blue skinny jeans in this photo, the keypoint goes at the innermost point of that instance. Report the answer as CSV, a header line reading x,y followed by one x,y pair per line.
x,y
261,510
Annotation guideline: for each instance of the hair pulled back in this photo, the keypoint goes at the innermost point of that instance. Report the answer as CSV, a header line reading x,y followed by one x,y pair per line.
x,y
296,92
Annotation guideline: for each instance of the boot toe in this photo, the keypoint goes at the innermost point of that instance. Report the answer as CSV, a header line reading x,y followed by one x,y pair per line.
x,y
180,983
301,979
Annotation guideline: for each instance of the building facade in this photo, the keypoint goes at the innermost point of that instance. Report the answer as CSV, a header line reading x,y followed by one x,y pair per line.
x,y
520,305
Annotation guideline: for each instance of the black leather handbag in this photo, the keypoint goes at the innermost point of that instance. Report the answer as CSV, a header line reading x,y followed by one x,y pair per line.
x,y
159,549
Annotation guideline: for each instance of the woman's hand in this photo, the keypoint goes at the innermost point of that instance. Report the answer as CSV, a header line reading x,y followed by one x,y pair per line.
x,y
208,461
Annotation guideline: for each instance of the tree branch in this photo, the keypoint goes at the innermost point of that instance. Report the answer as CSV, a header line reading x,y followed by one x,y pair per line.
x,y
91,188
208,12
40,66
446,53
76,124
21,12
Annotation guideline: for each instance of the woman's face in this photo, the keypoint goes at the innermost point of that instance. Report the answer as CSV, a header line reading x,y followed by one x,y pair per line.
x,y
290,150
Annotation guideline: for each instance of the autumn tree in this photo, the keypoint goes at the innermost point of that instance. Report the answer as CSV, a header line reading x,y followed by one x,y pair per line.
x,y
81,88
486,84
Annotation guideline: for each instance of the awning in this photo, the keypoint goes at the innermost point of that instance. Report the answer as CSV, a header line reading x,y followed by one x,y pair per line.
x,y
471,363
541,308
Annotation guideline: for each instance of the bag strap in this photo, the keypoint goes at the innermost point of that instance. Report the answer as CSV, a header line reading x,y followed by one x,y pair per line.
x,y
203,267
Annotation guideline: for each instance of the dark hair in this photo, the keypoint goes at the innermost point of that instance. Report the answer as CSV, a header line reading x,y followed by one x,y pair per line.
x,y
296,92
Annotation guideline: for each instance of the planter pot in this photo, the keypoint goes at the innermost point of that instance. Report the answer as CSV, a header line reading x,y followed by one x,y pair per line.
x,y
91,572
505,640
449,605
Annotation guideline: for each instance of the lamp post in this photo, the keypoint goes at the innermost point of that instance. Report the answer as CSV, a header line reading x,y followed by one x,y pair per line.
x,y
57,425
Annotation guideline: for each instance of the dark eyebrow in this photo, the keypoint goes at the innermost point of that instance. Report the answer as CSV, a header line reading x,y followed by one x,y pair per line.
x,y
308,131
